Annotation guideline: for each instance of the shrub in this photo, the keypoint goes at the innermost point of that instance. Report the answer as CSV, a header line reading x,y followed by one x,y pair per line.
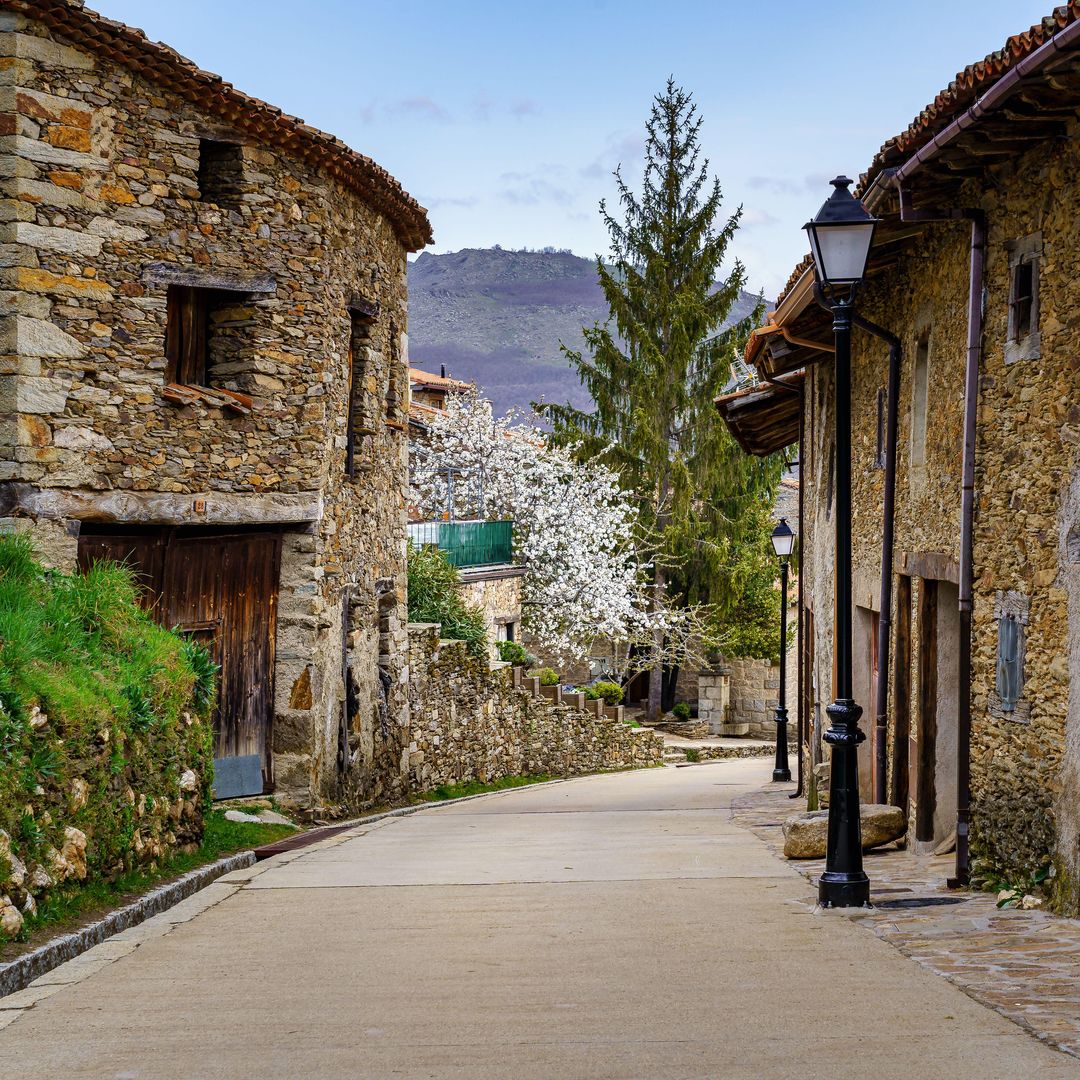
x,y
435,597
611,692
102,712
681,711
547,676
512,653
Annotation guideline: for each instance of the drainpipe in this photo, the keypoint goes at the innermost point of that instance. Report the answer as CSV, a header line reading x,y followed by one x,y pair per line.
x,y
881,703
967,523
976,288
800,673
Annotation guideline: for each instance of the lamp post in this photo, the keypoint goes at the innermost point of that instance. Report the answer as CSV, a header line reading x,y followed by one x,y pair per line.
x,y
840,239
783,542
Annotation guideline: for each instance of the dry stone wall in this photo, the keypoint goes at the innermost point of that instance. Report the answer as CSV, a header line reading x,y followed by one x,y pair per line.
x,y
467,721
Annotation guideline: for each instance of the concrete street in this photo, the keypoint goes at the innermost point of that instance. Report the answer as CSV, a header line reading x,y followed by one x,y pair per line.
x,y
616,926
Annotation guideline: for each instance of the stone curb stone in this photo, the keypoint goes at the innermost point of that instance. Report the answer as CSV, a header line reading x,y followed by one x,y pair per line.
x,y
23,970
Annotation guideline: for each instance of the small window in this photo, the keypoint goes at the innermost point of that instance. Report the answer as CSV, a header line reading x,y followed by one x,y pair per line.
x,y
1022,340
879,449
187,335
1023,298
221,172
1009,663
359,429
1011,610
920,389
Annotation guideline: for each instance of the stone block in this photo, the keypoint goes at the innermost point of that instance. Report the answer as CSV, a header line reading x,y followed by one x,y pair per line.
x,y
805,834
29,394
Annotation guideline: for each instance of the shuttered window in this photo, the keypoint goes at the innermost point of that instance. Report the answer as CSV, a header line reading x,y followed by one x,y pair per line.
x,y
1009,683
186,334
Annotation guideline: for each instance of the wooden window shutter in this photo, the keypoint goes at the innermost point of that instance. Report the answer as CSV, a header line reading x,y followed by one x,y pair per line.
x,y
185,335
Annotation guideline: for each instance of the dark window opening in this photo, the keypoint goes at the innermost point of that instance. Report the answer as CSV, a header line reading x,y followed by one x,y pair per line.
x,y
879,450
221,172
208,333
1023,298
359,430
1009,681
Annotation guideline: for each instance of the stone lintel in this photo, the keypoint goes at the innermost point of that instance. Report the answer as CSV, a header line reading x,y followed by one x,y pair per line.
x,y
490,573
161,275
929,565
165,508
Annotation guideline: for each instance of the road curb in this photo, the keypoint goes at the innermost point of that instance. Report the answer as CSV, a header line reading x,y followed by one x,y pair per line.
x,y
17,974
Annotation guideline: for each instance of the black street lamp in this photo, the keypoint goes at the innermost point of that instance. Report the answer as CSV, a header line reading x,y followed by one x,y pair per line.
x,y
783,542
840,238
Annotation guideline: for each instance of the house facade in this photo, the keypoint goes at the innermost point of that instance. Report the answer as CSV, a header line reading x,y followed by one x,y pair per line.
x,y
966,427
205,374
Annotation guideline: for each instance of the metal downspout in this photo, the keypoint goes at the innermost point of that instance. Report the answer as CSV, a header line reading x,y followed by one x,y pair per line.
x,y
967,528
973,363
800,667
881,705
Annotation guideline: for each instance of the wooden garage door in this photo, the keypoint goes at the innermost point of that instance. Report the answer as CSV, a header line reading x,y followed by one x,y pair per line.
x,y
221,588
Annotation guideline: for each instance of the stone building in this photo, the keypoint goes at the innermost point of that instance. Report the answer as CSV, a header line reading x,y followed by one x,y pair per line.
x,y
205,374
976,648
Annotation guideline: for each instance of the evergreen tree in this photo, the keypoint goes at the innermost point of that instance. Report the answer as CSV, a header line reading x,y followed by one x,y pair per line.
x,y
654,368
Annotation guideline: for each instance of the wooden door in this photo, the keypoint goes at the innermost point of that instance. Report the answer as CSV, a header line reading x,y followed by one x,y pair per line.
x,y
221,588
926,779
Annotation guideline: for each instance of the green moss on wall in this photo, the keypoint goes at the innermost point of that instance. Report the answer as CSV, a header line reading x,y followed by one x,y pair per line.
x,y
105,736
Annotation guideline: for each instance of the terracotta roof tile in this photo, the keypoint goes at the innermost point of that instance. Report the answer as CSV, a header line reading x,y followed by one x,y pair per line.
x,y
974,80
426,378
159,63
960,94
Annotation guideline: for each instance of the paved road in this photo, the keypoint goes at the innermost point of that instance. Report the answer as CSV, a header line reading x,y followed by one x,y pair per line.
x,y
614,927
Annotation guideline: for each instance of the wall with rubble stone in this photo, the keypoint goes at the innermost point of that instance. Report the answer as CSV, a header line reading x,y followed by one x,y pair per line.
x,y
101,210
1026,764
467,721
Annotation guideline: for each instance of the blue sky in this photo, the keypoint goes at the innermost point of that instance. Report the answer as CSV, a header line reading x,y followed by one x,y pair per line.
x,y
505,119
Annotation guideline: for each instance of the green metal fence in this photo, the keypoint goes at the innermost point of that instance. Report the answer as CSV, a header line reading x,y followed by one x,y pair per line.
x,y
468,543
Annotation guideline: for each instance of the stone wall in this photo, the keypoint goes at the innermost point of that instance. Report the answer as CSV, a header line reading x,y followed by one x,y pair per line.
x,y
496,591
754,685
102,212
467,721
1025,763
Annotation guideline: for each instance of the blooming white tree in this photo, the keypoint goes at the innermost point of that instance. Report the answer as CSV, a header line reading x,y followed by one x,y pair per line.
x,y
573,524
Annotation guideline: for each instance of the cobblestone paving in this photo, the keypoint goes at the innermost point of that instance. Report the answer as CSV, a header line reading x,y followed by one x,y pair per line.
x,y
1024,964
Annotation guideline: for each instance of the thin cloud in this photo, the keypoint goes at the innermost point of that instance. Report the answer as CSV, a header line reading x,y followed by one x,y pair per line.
x,y
424,107
620,150
460,202
752,218
534,190
525,107
787,185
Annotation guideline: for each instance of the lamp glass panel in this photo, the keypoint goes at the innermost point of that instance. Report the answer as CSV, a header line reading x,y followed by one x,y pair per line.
x,y
783,542
841,251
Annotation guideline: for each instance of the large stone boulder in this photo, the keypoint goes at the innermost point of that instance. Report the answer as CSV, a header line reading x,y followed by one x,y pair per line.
x,y
805,835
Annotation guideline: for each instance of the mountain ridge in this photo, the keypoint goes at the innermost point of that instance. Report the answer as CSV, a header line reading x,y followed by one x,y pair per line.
x,y
496,317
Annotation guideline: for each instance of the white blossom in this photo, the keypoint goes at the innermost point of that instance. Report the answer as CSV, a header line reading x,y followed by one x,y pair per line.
x,y
574,526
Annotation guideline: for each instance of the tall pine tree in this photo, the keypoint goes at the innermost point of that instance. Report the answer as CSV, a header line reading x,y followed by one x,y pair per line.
x,y
654,368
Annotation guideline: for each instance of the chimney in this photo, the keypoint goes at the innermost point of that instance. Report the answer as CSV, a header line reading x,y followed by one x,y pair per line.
x,y
443,370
